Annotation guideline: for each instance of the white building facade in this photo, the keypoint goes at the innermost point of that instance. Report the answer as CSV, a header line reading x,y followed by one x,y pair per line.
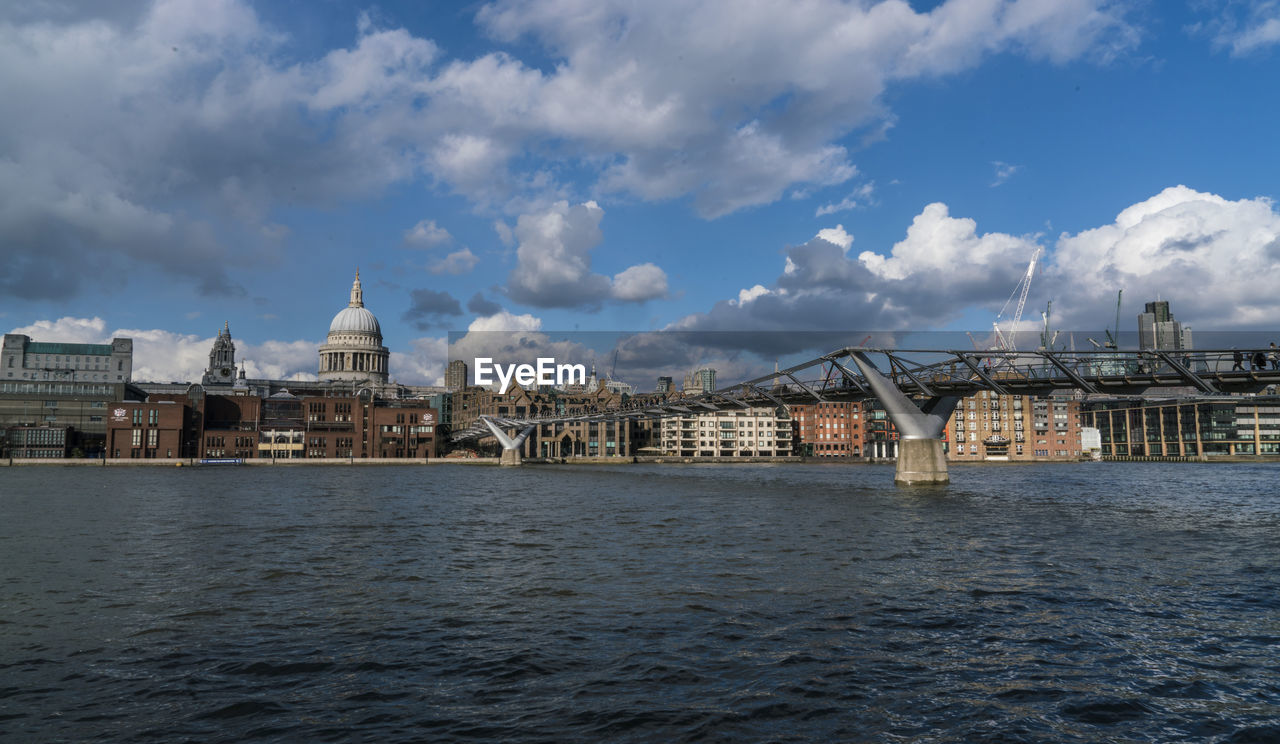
x,y
751,432
24,359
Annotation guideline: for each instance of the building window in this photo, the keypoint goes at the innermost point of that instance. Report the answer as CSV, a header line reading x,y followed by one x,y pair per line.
x,y
137,417
153,417
137,437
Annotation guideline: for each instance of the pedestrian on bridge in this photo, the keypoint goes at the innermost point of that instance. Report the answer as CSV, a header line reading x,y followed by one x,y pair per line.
x,y
1275,356
1259,360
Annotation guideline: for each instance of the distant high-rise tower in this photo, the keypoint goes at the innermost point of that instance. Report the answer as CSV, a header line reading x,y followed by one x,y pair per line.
x,y
1158,330
702,380
455,375
664,385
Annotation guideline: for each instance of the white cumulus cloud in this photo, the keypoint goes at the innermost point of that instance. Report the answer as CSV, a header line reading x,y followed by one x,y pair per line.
x,y
114,113
1217,261
164,356
426,234
639,283
457,262
553,262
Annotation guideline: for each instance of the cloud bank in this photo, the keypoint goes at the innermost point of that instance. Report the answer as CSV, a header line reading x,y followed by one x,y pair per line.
x,y
1219,257
168,135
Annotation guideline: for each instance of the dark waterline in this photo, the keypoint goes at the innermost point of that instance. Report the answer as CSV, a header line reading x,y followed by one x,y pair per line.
x,y
640,603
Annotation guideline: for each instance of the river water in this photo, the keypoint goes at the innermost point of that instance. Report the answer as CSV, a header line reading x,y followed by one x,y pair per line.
x,y
636,603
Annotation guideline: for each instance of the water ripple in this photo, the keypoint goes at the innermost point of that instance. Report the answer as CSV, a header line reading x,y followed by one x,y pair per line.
x,y
640,604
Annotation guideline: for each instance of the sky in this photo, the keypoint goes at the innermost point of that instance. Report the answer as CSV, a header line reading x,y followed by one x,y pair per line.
x,y
764,178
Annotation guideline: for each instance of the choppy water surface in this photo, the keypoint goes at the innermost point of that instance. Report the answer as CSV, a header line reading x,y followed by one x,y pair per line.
x,y
640,603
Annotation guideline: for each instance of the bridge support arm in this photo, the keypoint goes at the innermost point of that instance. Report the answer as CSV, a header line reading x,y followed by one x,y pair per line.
x,y
912,421
921,458
510,446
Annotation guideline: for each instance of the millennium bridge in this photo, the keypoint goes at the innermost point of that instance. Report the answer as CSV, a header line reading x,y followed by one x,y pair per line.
x,y
919,389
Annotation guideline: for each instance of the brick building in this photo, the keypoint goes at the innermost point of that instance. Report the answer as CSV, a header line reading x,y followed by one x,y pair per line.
x,y
559,440
829,429
989,426
149,430
281,426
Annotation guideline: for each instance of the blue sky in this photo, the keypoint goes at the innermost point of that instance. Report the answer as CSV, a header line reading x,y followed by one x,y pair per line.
x,y
610,166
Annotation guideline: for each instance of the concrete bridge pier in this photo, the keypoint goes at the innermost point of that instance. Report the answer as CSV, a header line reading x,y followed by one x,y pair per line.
x,y
921,457
510,456
921,462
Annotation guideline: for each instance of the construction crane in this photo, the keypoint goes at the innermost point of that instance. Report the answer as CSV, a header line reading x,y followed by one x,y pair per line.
x,y
1021,289
1113,339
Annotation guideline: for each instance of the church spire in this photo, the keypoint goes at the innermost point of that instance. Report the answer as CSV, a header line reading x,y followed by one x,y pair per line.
x,y
357,294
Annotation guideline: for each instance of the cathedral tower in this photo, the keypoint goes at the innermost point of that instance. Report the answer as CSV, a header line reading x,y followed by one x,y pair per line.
x,y
222,360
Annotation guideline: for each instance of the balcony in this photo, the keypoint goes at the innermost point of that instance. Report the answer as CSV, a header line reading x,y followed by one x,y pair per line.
x,y
330,426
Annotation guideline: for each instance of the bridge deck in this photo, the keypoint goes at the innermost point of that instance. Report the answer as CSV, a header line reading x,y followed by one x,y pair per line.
x,y
934,373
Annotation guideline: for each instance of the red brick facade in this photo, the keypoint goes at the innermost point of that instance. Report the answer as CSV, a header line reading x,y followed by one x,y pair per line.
x,y
151,430
830,429
280,427
988,426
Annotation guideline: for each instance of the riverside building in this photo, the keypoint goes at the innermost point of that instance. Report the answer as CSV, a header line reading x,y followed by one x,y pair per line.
x,y
43,361
829,429
989,426
279,427
1204,427
354,411
760,431
566,439
54,396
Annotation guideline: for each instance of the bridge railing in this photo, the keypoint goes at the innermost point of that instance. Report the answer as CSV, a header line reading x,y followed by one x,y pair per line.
x,y
934,372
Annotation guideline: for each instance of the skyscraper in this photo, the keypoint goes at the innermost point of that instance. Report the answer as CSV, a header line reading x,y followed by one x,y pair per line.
x,y
702,380
455,376
1158,330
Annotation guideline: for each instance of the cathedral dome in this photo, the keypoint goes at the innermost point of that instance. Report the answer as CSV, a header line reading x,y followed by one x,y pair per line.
x,y
353,351
355,320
